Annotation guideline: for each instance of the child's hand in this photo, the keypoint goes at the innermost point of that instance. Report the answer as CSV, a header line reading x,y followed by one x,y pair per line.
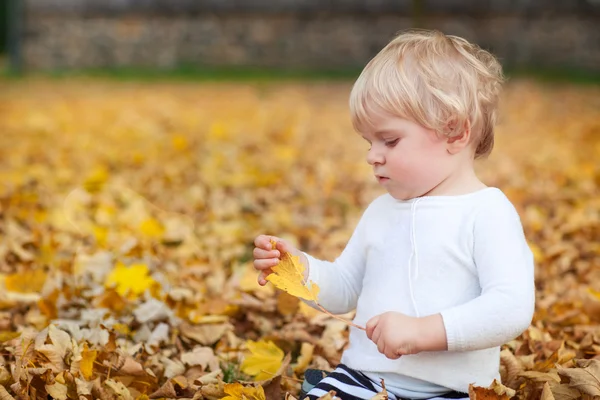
x,y
395,334
265,257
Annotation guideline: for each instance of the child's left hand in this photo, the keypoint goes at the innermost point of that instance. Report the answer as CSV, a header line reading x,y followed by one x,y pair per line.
x,y
395,334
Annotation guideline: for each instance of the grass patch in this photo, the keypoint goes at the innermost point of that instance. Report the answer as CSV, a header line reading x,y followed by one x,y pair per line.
x,y
189,73
244,74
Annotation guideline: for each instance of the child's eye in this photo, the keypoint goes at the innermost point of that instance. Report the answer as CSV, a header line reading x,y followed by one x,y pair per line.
x,y
392,143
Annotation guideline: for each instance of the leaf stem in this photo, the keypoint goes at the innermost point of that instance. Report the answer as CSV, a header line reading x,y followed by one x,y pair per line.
x,y
338,317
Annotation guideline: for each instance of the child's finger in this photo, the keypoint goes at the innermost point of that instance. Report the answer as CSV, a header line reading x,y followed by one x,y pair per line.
x,y
262,281
264,241
259,253
284,247
265,263
371,324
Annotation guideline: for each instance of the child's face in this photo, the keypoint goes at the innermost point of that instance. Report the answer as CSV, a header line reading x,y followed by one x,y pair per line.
x,y
408,159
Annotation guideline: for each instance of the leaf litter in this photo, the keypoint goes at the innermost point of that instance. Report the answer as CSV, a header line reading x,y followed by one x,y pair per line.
x,y
128,213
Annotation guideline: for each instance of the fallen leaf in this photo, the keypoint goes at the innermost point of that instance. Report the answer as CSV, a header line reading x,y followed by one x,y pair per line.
x,y
496,391
306,354
206,335
4,395
5,336
203,356
152,228
57,390
130,281
264,361
119,389
586,378
547,393
235,391
88,358
30,281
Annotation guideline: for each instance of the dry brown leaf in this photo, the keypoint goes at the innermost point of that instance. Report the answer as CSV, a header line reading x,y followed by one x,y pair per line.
x,y
57,390
585,378
166,391
547,393
119,389
537,376
564,392
206,335
513,368
4,395
495,391
203,356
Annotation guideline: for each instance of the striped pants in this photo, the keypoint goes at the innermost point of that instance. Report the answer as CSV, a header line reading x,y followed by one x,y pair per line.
x,y
349,384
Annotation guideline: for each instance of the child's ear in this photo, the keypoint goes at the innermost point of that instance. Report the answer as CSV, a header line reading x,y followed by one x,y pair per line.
x,y
459,137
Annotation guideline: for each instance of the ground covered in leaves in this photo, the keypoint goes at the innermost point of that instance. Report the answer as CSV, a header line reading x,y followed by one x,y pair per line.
x,y
128,210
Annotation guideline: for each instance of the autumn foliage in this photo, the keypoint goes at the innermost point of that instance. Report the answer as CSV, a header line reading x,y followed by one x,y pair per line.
x,y
128,210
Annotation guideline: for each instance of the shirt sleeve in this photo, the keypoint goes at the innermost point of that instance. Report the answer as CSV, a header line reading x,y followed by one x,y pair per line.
x,y
340,282
506,276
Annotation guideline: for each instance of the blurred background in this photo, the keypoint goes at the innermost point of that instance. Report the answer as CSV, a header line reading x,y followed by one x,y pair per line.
x,y
145,143
333,35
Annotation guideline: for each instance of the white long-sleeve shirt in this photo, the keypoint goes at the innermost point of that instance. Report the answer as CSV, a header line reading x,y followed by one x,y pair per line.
x,y
463,256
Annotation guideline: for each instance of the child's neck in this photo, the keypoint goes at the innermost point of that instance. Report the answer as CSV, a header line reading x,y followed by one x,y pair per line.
x,y
461,181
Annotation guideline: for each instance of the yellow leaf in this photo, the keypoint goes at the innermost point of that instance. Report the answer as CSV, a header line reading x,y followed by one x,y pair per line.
x,y
288,276
179,142
96,180
236,391
5,336
265,360
152,228
87,362
100,234
306,355
26,282
130,281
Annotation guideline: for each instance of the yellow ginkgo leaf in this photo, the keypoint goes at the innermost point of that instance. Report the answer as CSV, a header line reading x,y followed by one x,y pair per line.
x,y
87,362
265,360
130,281
236,391
288,276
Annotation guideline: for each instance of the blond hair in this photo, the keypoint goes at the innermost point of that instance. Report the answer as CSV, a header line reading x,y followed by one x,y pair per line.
x,y
439,81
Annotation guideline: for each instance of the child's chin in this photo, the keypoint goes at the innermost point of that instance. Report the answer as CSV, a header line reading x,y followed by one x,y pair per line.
x,y
401,196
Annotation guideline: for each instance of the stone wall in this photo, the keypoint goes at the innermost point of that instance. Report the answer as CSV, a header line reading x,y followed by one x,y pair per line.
x,y
297,33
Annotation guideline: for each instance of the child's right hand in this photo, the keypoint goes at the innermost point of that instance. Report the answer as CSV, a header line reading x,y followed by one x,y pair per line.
x,y
265,257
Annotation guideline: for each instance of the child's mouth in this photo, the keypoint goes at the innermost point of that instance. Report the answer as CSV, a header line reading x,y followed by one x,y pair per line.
x,y
382,179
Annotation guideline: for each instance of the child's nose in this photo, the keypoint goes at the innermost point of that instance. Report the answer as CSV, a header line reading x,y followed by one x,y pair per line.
x,y
374,156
